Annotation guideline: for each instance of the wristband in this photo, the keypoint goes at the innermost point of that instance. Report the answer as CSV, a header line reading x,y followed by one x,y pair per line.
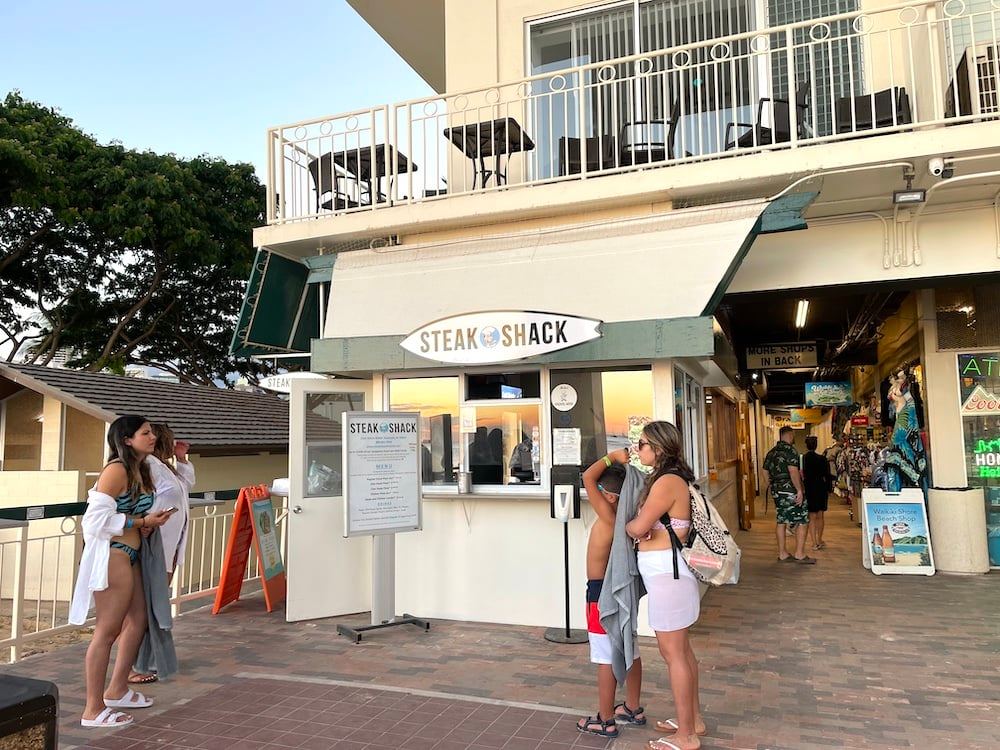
x,y
607,461
128,522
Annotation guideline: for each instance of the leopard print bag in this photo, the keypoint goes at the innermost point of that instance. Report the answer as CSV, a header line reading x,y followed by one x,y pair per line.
x,y
709,550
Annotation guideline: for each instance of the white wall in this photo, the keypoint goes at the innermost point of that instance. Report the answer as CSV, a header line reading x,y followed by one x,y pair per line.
x,y
951,242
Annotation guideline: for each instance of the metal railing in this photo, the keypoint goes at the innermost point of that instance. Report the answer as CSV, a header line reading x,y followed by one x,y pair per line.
x,y
38,572
907,66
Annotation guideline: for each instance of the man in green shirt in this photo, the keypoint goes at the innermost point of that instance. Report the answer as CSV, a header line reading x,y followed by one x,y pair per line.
x,y
781,472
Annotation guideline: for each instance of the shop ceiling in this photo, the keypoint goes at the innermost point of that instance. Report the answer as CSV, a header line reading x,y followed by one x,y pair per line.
x,y
843,320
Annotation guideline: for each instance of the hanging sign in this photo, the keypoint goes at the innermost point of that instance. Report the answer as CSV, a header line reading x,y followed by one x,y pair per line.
x,y
806,416
253,521
859,421
283,383
781,356
829,394
381,472
499,336
895,535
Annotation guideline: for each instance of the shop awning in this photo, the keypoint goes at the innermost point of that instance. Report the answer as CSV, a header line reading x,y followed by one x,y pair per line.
x,y
655,277
281,308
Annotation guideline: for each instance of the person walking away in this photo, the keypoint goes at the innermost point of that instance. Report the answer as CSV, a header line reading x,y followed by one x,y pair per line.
x,y
118,507
817,482
782,475
674,596
603,481
173,478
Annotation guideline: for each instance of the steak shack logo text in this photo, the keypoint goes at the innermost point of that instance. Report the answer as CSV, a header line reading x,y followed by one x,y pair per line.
x,y
501,336
382,428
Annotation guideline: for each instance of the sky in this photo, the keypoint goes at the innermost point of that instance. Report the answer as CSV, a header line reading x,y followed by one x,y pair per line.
x,y
193,78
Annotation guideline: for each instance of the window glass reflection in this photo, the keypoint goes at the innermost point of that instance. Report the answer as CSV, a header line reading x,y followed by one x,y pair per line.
x,y
436,399
506,446
324,440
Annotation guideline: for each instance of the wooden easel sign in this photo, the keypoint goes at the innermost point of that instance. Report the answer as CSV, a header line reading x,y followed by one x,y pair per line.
x,y
253,518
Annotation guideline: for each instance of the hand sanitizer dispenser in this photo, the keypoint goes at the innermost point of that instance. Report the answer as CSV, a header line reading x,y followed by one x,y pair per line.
x,y
565,498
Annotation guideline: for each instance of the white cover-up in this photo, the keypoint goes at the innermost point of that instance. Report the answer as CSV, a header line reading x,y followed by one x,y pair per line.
x,y
172,491
101,523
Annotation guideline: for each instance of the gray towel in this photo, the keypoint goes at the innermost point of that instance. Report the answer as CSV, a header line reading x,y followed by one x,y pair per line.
x,y
156,654
622,589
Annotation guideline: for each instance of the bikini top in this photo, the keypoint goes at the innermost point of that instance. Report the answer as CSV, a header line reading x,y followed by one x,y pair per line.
x,y
137,506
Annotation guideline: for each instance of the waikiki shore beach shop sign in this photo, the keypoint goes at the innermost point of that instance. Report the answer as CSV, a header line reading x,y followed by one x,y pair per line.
x,y
499,336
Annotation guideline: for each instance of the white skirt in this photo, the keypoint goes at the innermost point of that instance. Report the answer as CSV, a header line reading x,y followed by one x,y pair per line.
x,y
674,604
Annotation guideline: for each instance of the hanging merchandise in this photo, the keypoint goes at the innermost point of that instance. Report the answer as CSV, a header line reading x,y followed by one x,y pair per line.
x,y
902,462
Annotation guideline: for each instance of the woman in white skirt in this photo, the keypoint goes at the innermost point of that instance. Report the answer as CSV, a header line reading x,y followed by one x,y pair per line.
x,y
674,598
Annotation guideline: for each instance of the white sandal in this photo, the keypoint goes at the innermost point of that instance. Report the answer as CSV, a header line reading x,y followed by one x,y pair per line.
x,y
661,744
131,699
107,719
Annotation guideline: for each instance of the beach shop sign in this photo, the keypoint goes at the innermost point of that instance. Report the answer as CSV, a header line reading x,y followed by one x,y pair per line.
x,y
499,336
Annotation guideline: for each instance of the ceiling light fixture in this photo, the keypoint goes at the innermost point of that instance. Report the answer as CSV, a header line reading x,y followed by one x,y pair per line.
x,y
801,311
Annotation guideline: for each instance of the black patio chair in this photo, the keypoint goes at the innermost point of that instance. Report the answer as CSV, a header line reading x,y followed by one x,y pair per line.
x,y
331,183
883,109
781,130
600,154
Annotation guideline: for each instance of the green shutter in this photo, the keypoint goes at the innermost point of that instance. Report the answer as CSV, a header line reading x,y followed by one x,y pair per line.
x,y
280,312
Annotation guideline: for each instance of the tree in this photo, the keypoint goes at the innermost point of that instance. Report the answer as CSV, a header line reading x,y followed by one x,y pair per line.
x,y
127,256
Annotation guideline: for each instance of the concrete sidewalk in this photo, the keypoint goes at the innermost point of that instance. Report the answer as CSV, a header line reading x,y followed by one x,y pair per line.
x,y
795,657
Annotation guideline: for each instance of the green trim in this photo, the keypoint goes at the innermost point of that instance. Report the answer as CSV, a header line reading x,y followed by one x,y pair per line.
x,y
320,268
629,340
781,215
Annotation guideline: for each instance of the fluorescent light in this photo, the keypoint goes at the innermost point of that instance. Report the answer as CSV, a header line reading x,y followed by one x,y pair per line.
x,y
800,313
905,197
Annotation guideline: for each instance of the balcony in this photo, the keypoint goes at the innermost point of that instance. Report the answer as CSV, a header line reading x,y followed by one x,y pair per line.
x,y
903,68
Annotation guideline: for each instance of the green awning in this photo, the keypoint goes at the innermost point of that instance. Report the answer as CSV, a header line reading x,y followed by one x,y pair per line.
x,y
781,215
280,313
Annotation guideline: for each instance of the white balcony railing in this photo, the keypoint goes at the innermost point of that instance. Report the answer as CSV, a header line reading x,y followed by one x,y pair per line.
x,y
908,66
38,573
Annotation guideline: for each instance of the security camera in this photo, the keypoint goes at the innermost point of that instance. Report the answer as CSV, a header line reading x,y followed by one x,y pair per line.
x,y
936,166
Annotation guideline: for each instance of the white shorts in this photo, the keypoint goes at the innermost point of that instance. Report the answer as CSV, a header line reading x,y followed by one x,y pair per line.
x,y
674,604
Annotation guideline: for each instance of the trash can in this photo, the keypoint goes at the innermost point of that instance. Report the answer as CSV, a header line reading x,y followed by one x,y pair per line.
x,y
28,711
957,517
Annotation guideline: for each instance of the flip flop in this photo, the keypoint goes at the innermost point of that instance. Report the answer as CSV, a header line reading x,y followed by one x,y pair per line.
x,y
671,724
131,699
662,744
142,679
107,719
805,560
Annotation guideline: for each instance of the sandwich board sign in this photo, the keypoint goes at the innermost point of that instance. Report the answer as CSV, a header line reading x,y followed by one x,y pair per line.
x,y
896,537
253,521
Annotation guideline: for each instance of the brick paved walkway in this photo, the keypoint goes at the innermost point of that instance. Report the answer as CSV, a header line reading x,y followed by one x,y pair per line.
x,y
793,658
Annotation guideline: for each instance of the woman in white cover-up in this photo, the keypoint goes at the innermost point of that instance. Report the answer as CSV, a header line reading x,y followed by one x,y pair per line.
x,y
118,507
173,483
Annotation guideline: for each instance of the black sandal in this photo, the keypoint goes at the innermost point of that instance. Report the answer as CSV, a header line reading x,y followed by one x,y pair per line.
x,y
628,716
596,725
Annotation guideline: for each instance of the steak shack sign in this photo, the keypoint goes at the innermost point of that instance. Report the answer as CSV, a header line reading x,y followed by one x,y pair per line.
x,y
499,336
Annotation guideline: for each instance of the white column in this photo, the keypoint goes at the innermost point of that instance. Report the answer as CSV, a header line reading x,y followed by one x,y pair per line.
x,y
941,400
663,390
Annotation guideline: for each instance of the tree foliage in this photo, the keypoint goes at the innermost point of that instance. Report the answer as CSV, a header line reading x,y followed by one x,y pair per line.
x,y
118,255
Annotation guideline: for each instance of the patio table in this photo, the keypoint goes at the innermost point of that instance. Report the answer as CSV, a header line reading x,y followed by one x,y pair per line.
x,y
494,138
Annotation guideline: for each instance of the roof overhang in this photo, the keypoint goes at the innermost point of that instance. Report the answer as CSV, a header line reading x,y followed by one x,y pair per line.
x,y
415,29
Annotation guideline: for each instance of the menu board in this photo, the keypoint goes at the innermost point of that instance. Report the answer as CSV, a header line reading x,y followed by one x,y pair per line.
x,y
382,483
262,515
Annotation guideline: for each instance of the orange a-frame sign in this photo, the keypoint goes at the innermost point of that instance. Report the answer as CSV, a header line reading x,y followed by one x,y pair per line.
x,y
252,517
